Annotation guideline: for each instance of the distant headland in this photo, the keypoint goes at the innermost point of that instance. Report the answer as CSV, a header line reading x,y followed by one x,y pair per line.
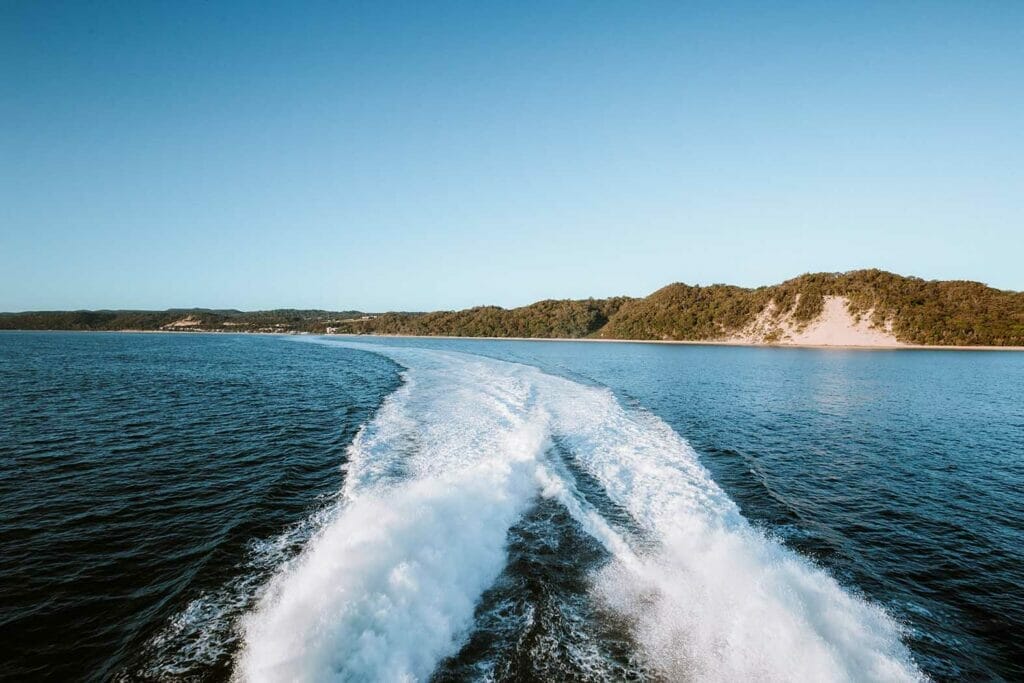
x,y
862,308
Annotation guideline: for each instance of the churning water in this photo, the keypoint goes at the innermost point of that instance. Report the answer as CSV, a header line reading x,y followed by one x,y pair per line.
x,y
251,508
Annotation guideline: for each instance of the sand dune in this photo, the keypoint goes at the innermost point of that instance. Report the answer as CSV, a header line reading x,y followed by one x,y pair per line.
x,y
835,326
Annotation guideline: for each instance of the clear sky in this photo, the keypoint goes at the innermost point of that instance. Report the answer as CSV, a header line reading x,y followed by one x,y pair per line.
x,y
423,155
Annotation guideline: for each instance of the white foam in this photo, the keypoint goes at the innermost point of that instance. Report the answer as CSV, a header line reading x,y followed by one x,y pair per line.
x,y
452,460
388,588
718,600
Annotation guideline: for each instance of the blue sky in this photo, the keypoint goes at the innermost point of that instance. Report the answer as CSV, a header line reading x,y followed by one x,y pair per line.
x,y
421,156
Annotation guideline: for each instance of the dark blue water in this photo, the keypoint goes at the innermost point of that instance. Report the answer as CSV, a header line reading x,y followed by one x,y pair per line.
x,y
150,486
136,472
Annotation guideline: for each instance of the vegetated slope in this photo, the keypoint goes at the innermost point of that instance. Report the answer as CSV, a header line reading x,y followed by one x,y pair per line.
x,y
918,311
686,312
549,318
933,311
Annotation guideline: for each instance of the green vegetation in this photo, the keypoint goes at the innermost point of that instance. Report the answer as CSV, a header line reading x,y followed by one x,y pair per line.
x,y
195,319
919,312
685,312
550,318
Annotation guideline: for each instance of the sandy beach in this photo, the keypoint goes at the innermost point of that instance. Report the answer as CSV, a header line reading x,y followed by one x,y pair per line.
x,y
728,342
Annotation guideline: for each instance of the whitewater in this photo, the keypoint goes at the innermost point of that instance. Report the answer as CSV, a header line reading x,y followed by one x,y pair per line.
x,y
389,584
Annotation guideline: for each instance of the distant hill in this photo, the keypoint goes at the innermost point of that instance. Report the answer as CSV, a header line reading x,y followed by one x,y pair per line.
x,y
177,319
873,304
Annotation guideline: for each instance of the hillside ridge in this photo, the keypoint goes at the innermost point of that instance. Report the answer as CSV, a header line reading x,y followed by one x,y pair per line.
x,y
876,307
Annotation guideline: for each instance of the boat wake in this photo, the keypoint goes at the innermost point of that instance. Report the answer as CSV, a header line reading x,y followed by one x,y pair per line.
x,y
390,587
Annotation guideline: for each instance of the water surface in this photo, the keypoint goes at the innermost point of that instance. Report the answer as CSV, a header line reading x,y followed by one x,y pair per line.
x,y
177,504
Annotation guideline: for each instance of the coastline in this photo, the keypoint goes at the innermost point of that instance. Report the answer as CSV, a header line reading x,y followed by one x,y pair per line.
x,y
676,342
680,342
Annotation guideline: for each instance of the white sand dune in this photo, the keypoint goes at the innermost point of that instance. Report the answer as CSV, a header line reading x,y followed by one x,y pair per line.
x,y
835,326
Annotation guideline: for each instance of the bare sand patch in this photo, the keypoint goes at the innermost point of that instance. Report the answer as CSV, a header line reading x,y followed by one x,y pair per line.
x,y
186,322
834,326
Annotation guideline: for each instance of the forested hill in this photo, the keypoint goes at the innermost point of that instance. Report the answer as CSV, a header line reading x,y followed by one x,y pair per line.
x,y
915,311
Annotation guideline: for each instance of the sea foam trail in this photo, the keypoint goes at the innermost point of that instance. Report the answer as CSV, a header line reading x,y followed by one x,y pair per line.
x,y
388,587
452,460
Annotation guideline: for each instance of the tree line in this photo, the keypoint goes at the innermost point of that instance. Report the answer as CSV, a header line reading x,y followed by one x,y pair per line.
x,y
954,312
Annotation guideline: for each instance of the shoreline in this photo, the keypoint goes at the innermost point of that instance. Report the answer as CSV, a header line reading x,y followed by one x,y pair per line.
x,y
684,342
676,342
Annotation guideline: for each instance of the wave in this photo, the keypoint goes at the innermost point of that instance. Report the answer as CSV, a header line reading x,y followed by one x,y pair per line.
x,y
387,587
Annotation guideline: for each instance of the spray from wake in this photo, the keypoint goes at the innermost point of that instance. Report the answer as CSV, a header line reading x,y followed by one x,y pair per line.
x,y
388,587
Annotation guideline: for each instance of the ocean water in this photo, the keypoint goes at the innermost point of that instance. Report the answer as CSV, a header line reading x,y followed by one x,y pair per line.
x,y
218,507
